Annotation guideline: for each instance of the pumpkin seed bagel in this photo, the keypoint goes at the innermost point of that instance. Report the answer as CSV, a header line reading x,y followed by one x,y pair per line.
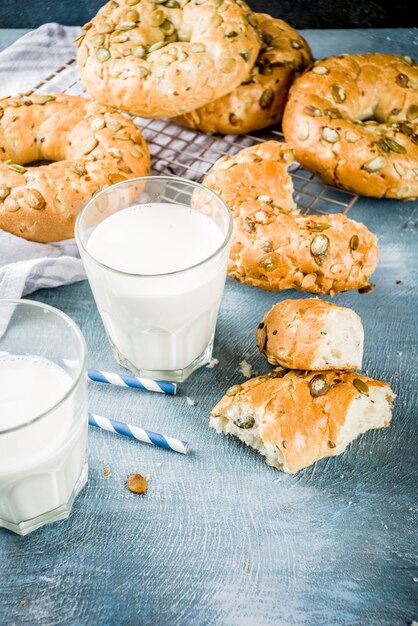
x,y
259,101
90,146
158,58
273,247
353,121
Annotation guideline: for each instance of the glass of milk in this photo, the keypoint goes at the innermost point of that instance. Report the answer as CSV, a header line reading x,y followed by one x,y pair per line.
x,y
155,250
43,415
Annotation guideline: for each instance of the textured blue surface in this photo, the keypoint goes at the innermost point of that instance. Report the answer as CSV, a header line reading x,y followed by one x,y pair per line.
x,y
221,538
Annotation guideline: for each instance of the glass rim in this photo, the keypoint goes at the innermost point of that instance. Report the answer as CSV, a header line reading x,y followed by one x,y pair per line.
x,y
83,361
185,181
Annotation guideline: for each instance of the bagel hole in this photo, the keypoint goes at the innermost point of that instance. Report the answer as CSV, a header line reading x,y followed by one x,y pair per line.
x,y
38,163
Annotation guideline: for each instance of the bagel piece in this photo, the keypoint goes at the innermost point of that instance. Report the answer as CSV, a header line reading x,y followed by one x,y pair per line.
x,y
161,59
311,334
353,121
272,247
295,418
259,101
90,147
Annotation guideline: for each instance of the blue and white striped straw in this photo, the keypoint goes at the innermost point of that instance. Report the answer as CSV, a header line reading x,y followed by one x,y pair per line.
x,y
140,434
111,378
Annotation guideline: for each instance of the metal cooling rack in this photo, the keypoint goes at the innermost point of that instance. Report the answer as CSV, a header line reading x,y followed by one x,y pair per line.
x,y
191,154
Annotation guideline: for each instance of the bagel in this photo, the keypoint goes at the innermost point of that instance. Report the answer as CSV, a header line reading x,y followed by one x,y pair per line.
x,y
259,101
161,59
311,334
294,418
272,247
353,121
90,146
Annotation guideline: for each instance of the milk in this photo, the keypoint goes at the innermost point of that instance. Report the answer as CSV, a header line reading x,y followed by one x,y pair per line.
x,y
158,310
43,464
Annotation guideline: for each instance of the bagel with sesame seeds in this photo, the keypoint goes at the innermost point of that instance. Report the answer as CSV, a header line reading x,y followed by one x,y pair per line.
x,y
260,100
164,58
353,121
89,147
273,247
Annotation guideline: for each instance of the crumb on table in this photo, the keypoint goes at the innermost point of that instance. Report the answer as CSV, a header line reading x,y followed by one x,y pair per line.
x,y
137,483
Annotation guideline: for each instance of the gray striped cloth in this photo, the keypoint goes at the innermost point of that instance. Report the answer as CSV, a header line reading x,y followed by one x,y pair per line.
x,y
26,266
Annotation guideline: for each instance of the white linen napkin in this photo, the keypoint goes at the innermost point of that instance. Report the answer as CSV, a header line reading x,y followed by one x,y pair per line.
x,y
26,266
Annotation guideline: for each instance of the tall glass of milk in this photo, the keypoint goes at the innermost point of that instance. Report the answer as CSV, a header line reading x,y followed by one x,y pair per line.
x,y
43,415
155,250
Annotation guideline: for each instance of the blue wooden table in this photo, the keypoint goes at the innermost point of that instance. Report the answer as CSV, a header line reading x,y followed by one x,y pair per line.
x,y
220,538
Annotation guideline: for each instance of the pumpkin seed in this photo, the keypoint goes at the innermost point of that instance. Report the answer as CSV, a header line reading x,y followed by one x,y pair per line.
x,y
367,288
312,111
308,281
354,242
412,112
90,145
11,205
143,72
329,134
104,28
249,225
245,55
16,168
405,129
83,55
402,80
126,26
244,422
361,386
399,169
333,114
270,262
139,51
319,245
102,55
34,198
4,192
156,46
156,18
375,165
136,153
227,65
338,93
395,146
116,178
320,70
266,99
318,226
265,199
132,15
318,386
79,169
382,145
87,26
232,391
42,98
295,44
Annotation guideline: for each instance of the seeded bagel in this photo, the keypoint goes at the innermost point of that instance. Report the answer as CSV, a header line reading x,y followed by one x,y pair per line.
x,y
90,146
259,101
353,121
273,248
294,418
161,59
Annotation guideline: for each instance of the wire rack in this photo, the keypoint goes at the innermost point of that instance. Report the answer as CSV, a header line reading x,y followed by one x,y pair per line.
x,y
191,154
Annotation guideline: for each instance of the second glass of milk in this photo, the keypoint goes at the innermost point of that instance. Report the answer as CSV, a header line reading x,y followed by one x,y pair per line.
x,y
155,250
43,415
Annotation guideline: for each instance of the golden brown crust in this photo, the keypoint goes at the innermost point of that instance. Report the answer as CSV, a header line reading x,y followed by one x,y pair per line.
x,y
326,119
291,333
273,249
304,428
260,100
157,61
90,145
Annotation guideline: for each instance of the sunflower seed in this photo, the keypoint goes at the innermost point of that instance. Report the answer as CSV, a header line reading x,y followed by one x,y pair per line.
x,y
97,41
104,28
376,164
320,70
399,169
102,55
116,178
308,281
139,51
329,134
338,93
90,145
16,168
136,153
80,37
83,55
319,245
402,80
352,137
354,242
79,169
115,153
302,130
249,225
11,205
312,111
266,99
87,26
156,46
361,386
126,26
337,268
4,192
318,386
227,65
355,269
34,198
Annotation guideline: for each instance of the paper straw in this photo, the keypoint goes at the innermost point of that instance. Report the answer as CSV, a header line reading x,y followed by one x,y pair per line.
x,y
140,434
110,378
